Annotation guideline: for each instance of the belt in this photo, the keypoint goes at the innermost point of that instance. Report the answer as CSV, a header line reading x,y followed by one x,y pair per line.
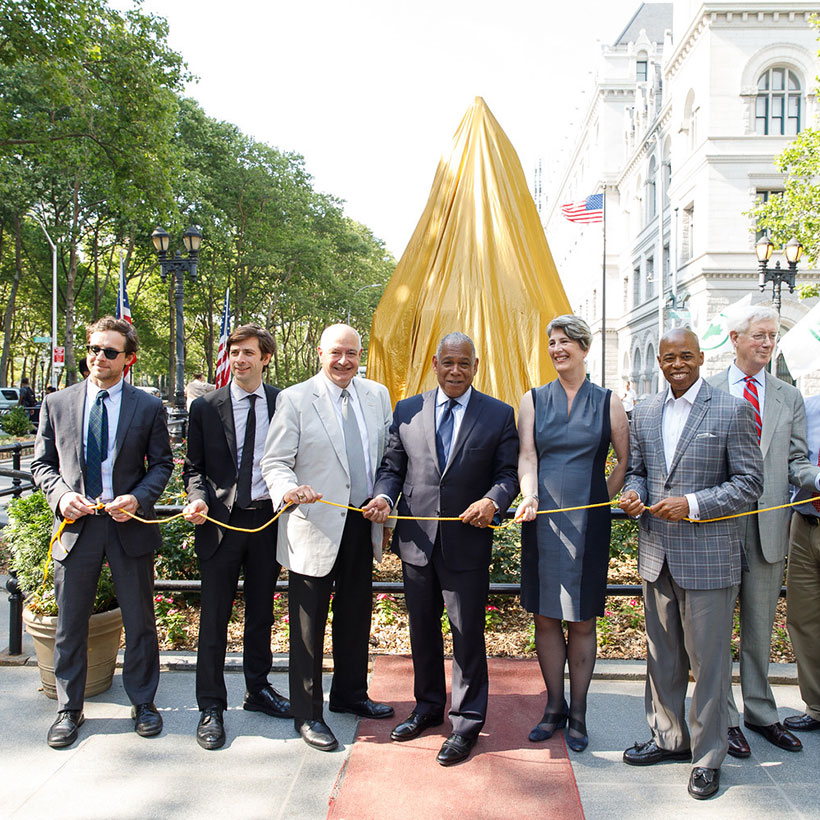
x,y
261,504
811,520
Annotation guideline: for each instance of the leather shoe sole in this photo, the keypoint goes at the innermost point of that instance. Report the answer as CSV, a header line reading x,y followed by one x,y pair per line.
x,y
738,745
455,749
366,709
703,783
777,736
414,725
316,734
801,723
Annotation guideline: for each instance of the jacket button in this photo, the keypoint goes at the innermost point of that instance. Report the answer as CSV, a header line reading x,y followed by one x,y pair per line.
x,y
343,513
347,486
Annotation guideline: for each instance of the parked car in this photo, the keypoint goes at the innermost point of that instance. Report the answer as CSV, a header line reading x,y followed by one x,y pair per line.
x,y
9,397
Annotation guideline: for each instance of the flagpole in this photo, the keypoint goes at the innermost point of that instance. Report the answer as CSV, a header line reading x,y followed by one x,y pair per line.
x,y
603,299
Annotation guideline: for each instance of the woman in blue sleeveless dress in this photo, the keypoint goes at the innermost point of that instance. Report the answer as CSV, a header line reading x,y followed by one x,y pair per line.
x,y
565,429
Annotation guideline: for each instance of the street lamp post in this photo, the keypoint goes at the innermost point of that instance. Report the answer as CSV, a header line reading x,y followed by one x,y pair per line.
x,y
177,267
356,292
792,251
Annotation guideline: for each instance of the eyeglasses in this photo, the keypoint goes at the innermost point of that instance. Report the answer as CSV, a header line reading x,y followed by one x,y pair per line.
x,y
110,353
759,338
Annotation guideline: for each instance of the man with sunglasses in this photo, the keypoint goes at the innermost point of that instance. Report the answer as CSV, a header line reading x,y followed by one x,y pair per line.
x,y
102,454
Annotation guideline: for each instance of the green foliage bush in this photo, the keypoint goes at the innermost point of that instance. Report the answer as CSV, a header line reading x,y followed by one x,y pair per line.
x,y
27,536
16,422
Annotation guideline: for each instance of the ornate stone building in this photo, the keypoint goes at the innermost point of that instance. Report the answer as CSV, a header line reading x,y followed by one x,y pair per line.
x,y
691,104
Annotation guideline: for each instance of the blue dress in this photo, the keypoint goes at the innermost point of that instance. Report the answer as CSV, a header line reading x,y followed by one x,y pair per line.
x,y
565,556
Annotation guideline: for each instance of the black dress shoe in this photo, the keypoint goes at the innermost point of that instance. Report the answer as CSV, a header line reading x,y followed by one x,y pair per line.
x,y
776,734
646,754
555,720
577,744
703,783
738,745
315,733
414,724
147,720
210,732
63,732
802,723
269,701
455,749
364,708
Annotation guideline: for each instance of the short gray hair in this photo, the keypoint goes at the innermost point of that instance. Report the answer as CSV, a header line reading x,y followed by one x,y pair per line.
x,y
455,338
740,318
574,326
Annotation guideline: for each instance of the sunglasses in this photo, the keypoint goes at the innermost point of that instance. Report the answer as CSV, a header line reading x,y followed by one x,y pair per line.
x,y
110,353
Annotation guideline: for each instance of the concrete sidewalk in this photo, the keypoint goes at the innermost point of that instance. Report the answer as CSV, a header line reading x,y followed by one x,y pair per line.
x,y
266,771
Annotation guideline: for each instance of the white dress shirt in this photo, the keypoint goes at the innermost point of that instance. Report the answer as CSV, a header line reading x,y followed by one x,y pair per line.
x,y
112,403
335,393
737,384
675,415
458,410
239,401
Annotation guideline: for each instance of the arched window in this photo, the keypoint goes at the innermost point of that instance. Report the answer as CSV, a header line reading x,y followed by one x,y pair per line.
x,y
651,371
690,119
666,172
778,103
651,185
636,371
642,68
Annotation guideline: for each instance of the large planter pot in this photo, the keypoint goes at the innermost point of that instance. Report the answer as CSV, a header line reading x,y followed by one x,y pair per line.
x,y
104,631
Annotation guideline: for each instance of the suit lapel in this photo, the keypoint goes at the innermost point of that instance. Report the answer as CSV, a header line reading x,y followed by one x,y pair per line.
x,y
270,398
428,422
696,415
471,414
224,407
327,415
657,429
371,420
772,406
128,406
77,414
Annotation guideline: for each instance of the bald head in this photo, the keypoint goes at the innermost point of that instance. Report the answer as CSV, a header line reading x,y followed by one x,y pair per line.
x,y
680,359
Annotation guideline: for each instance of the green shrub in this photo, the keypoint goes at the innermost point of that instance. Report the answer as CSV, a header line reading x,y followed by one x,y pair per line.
x,y
16,422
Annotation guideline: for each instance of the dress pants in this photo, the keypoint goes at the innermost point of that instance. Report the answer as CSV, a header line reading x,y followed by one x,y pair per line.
x,y
759,591
75,586
804,608
255,553
350,580
688,628
427,590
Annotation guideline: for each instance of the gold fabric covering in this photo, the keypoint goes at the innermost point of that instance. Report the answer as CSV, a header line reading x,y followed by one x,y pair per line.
x,y
478,262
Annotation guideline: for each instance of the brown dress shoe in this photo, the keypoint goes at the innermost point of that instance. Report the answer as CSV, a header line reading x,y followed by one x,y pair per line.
x,y
777,735
738,745
801,723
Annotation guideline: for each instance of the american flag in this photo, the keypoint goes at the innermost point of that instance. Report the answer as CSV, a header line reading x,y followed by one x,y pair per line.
x,y
223,370
586,210
124,311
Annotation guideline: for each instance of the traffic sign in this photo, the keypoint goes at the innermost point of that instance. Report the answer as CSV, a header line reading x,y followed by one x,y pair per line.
x,y
59,356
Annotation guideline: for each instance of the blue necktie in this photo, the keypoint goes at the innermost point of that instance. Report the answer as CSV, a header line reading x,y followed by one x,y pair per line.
x,y
96,447
444,435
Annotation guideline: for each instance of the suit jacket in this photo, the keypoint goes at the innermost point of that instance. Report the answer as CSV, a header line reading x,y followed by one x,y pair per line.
x,y
306,446
483,462
142,439
785,461
717,459
211,470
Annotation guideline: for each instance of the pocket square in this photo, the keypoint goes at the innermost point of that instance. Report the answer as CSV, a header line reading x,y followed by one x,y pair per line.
x,y
705,435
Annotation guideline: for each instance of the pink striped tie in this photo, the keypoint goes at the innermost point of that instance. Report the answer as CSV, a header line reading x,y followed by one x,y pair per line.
x,y
750,394
816,500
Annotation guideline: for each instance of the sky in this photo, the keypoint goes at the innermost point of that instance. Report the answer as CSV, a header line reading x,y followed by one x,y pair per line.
x,y
370,92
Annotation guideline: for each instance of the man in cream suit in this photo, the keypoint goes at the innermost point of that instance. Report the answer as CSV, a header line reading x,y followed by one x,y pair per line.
x,y
694,456
781,427
326,441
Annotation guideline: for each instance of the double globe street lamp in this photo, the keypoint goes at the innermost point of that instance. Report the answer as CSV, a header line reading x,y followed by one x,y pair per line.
x,y
793,250
177,267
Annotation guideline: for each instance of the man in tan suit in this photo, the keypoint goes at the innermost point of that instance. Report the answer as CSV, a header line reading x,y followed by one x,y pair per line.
x,y
781,428
326,441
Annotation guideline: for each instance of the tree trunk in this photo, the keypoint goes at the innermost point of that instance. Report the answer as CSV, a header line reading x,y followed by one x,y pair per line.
x,y
8,315
70,284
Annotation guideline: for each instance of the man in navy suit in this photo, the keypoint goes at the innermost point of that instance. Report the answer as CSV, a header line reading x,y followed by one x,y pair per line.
x,y
223,478
103,440
452,452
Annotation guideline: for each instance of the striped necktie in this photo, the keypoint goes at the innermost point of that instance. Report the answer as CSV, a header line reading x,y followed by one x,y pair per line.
x,y
816,499
96,448
750,394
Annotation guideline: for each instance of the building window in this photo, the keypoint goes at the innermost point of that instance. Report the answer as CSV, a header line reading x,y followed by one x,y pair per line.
x,y
687,239
626,295
641,70
667,269
651,185
777,107
636,286
650,277
762,197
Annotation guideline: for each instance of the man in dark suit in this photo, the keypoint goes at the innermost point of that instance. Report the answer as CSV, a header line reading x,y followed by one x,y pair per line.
x,y
693,455
452,452
226,438
104,441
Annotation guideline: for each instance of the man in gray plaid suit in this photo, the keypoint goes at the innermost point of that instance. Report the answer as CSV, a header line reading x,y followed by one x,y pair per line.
x,y
694,456
782,435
